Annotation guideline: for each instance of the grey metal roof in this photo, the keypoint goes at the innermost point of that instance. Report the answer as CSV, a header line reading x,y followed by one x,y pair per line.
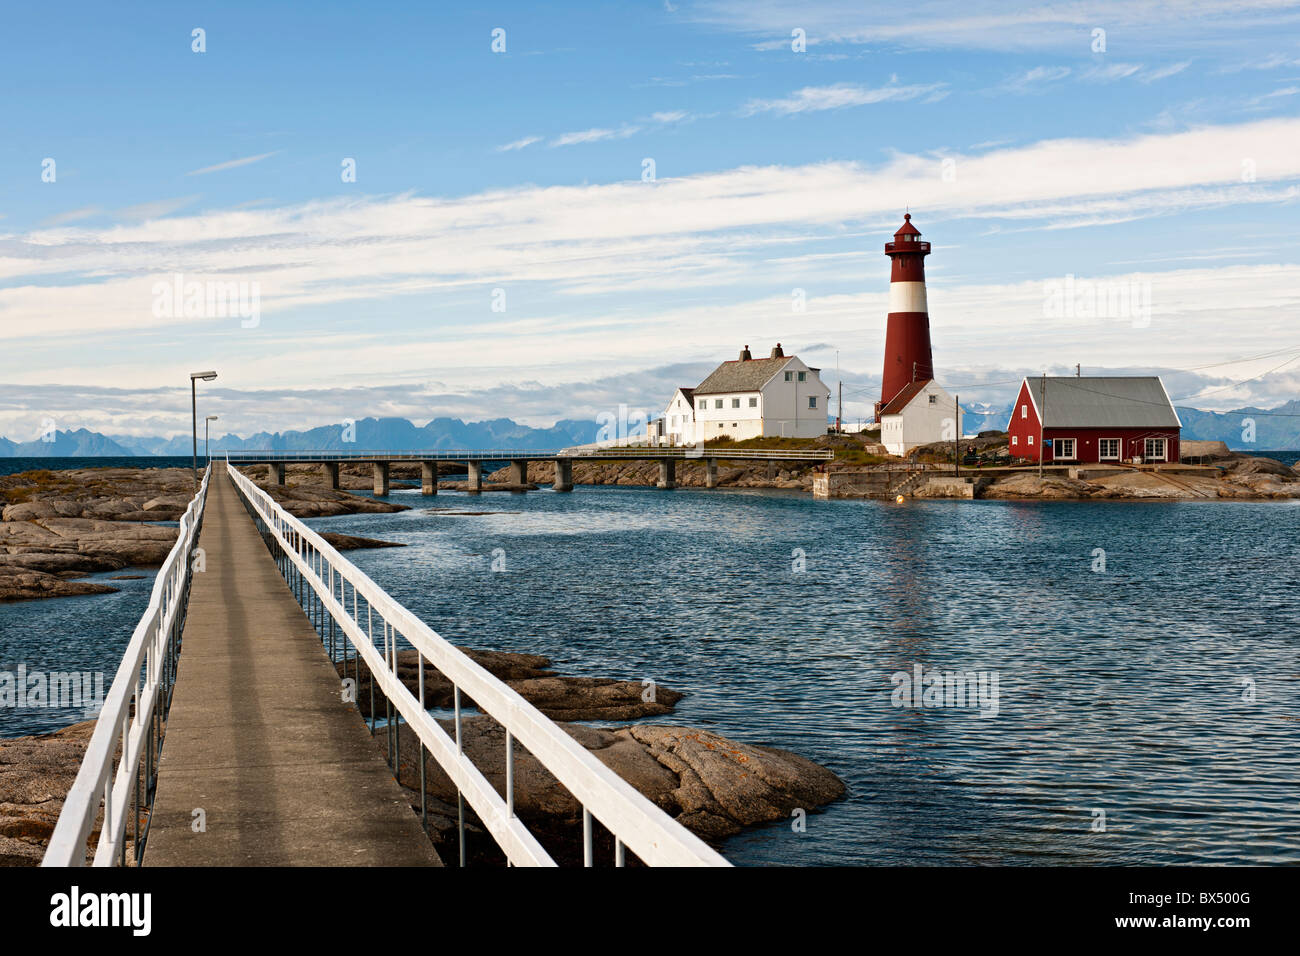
x,y
737,376
1104,401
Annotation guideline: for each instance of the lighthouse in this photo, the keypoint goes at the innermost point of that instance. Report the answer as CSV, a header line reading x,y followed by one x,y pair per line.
x,y
913,409
907,335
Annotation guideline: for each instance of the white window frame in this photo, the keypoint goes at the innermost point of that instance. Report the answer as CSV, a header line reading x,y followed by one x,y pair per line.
x,y
1031,439
1024,411
1074,449
1164,450
1119,449
812,401
717,403
789,376
735,403
753,402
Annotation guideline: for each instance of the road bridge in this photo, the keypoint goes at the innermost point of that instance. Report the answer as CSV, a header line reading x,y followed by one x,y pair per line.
x,y
518,459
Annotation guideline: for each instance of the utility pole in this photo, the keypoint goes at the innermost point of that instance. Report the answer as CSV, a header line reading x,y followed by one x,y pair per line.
x,y
956,435
1042,420
1077,372
839,414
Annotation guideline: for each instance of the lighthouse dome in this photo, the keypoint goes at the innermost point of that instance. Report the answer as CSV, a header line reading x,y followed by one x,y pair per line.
x,y
907,229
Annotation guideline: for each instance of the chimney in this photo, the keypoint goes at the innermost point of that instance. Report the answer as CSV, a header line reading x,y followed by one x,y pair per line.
x,y
776,352
744,354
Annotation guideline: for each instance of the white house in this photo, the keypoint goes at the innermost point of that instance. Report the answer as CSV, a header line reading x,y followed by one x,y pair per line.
x,y
921,413
677,424
755,398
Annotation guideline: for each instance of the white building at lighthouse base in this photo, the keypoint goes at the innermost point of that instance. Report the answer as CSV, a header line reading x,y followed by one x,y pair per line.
x,y
918,415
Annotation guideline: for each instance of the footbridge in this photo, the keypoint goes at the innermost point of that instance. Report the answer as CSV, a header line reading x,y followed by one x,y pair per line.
x,y
231,734
518,459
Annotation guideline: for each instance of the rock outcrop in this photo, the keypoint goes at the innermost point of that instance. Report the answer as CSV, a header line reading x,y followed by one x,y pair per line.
x,y
560,698
36,773
62,525
712,785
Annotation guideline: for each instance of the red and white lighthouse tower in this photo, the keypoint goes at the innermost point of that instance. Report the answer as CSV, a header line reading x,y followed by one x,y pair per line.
x,y
907,335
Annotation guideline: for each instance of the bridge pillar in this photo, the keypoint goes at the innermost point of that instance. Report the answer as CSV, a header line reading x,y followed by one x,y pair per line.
x,y
332,474
667,473
475,476
563,475
276,471
771,470
428,477
711,473
519,471
381,478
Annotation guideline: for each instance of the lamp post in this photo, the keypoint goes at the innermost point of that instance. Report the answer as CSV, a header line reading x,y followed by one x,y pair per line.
x,y
207,454
194,416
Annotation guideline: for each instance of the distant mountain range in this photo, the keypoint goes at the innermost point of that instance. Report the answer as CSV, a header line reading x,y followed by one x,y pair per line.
x,y
1273,429
387,434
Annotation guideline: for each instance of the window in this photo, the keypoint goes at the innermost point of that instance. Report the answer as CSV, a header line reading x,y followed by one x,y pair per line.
x,y
1031,439
753,402
1024,411
1014,441
934,399
1063,448
704,403
1108,449
789,376
735,403
1155,449
803,376
717,403
812,401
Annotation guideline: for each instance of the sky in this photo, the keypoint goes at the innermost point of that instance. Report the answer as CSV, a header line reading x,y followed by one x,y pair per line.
x,y
548,211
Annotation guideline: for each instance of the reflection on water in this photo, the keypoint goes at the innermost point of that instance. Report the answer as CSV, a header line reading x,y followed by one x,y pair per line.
x,y
1120,691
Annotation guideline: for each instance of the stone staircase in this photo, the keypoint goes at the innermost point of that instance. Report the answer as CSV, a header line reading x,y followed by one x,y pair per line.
x,y
908,484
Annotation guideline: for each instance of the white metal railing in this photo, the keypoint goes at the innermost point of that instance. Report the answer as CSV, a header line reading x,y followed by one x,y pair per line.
x,y
130,724
334,590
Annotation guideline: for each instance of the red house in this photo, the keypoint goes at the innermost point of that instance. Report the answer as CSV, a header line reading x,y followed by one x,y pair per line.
x,y
1094,419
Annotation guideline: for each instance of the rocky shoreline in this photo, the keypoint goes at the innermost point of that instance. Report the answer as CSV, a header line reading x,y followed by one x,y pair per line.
x,y
713,785
1240,477
56,528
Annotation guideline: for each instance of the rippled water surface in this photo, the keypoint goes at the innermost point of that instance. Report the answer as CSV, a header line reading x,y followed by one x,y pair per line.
x,y
1121,691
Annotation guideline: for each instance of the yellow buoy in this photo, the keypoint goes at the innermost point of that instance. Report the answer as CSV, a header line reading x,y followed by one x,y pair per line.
x,y
900,499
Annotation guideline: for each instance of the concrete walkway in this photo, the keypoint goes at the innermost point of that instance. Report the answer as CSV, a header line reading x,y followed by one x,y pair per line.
x,y
259,738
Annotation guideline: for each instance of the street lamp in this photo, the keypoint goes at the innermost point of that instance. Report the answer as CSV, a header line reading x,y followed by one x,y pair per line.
x,y
194,416
206,453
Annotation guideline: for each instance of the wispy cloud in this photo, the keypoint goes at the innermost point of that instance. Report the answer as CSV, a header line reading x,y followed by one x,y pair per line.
x,y
155,209
839,96
593,135
521,143
1164,72
232,164
73,215
1034,81
985,25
